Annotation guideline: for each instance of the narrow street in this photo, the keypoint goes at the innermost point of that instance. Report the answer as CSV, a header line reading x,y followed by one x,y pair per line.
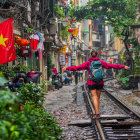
x,y
60,98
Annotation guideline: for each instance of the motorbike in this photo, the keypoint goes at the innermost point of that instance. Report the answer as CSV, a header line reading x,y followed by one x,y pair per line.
x,y
57,80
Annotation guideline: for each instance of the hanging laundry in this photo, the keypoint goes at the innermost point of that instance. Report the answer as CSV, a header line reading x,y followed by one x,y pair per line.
x,y
34,38
40,54
40,46
37,54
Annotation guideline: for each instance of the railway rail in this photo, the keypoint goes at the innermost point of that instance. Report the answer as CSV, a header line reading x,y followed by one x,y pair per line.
x,y
113,127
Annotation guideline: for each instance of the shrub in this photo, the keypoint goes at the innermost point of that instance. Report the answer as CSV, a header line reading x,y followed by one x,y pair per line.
x,y
31,123
124,81
10,71
32,92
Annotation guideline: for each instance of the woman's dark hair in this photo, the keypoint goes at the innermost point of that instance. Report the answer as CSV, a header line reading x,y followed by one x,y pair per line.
x,y
93,53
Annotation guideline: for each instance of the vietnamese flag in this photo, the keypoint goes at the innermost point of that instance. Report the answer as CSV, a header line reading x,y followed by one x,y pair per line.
x,y
7,48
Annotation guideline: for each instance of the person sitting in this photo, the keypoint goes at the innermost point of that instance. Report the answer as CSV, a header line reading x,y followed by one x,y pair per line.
x,y
13,86
33,76
65,78
20,75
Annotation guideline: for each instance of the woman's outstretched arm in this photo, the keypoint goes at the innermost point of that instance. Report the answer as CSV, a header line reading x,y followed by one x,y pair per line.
x,y
115,66
83,66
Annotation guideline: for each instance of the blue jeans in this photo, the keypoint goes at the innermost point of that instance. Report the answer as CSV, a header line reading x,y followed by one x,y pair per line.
x,y
67,80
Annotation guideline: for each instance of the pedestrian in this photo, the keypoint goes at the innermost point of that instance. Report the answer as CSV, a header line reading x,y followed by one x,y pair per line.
x,y
76,74
54,70
95,80
69,74
81,75
13,86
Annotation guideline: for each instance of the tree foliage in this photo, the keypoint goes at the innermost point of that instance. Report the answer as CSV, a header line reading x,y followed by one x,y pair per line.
x,y
119,13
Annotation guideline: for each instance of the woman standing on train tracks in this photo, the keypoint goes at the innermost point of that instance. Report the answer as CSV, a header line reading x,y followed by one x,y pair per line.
x,y
95,81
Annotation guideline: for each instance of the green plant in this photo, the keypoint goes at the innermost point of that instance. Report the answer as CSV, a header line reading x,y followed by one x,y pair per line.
x,y
44,126
49,66
135,51
30,30
3,81
135,102
6,97
59,12
30,123
32,92
123,77
10,71
7,71
64,31
20,68
123,73
119,13
124,81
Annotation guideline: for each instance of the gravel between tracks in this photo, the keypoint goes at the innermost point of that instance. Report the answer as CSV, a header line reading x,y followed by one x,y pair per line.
x,y
126,96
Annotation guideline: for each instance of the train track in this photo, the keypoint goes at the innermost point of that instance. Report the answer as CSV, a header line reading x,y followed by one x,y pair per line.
x,y
113,127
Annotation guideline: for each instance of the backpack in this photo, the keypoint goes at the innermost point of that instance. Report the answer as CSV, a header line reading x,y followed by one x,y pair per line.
x,y
96,71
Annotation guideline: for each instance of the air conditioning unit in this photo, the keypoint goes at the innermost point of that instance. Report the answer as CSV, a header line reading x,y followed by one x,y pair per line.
x,y
52,29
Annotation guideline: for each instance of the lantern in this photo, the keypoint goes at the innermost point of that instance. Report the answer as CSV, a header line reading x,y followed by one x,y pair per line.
x,y
67,54
17,40
24,42
74,20
70,30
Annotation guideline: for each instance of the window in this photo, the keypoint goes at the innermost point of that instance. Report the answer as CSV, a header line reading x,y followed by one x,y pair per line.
x,y
97,36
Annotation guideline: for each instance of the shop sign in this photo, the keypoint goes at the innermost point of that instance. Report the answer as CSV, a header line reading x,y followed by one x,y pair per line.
x,y
63,50
69,61
62,59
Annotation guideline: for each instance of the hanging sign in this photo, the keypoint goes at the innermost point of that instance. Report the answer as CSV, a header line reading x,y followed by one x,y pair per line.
x,y
62,59
75,32
63,50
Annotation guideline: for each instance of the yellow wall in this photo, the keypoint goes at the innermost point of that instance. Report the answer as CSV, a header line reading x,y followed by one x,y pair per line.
x,y
90,41
118,44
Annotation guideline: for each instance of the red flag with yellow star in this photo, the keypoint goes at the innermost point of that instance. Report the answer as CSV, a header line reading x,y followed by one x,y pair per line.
x,y
7,48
